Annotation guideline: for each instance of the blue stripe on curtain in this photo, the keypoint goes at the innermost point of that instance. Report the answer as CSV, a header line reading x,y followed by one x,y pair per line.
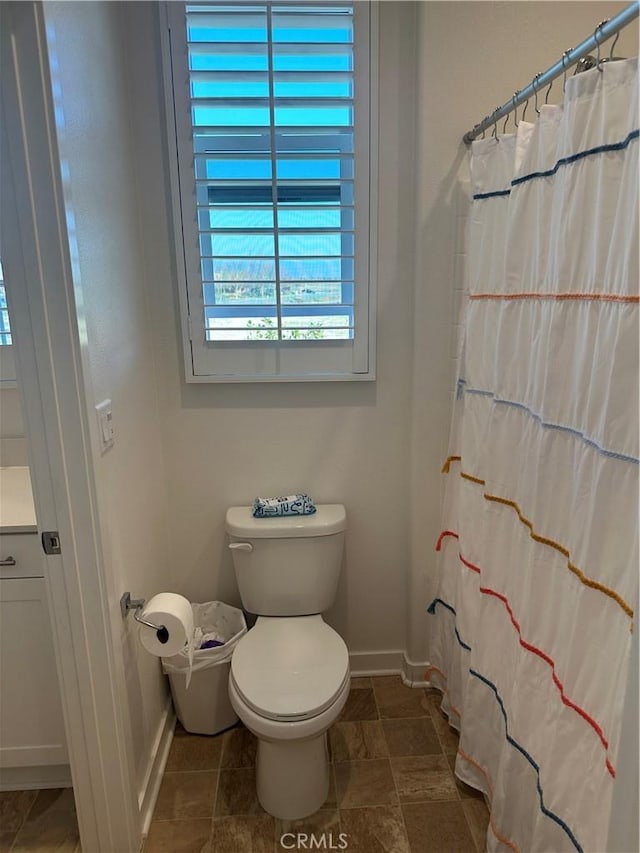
x,y
614,454
563,161
573,158
432,609
531,761
552,815
493,194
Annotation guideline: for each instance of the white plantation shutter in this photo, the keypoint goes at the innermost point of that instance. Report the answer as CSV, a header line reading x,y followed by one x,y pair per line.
x,y
270,109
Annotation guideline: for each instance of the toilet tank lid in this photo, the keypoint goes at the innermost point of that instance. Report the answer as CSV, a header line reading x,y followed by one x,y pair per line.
x,y
329,519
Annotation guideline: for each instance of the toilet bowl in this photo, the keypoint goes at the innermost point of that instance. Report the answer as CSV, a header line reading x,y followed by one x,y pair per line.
x,y
289,682
289,675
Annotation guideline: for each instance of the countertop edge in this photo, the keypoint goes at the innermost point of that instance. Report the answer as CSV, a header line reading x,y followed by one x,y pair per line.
x,y
18,528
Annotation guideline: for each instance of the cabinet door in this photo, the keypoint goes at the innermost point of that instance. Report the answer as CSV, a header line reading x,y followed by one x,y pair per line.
x,y
23,554
31,722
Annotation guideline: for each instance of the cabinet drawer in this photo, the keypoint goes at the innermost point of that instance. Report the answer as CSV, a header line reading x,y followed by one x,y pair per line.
x,y
25,549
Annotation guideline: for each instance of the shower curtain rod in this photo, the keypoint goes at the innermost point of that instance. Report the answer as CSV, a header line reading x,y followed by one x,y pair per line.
x,y
601,33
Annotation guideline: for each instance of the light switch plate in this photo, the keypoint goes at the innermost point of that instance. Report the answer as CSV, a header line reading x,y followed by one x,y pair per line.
x,y
105,425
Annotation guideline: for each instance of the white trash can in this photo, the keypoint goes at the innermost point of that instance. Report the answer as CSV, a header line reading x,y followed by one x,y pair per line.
x,y
200,689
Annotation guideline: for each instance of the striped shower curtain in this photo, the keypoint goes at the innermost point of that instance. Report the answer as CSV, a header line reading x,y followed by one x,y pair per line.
x,y
532,625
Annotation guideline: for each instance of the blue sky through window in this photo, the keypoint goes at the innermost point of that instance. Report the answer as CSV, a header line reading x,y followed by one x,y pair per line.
x,y
5,328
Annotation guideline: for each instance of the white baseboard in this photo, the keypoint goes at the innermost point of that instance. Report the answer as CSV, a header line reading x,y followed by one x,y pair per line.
x,y
30,778
148,793
376,663
392,662
413,674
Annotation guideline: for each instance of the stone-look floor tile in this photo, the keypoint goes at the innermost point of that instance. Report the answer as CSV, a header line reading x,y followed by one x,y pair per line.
x,y
240,748
437,828
357,740
194,752
477,815
332,799
14,808
423,777
323,824
237,793
374,829
185,795
365,783
360,682
434,700
51,825
179,836
395,699
6,840
465,791
360,705
58,802
237,834
449,737
406,736
46,839
329,747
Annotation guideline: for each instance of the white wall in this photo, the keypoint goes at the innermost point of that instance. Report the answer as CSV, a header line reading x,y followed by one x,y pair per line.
x,y
90,89
340,442
13,444
11,420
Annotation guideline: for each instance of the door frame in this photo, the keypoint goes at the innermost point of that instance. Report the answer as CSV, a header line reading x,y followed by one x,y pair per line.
x,y
53,375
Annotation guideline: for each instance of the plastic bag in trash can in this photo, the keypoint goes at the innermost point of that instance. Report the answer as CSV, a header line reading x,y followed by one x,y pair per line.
x,y
228,625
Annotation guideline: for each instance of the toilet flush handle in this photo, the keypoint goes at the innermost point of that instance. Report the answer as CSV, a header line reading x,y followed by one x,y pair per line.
x,y
241,546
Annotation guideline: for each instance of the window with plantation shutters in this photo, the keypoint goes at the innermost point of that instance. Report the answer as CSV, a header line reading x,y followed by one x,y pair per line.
x,y
269,110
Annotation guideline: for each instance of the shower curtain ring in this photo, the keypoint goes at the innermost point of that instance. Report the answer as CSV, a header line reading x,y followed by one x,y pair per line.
x,y
546,96
613,45
535,92
495,125
595,36
524,111
564,70
515,107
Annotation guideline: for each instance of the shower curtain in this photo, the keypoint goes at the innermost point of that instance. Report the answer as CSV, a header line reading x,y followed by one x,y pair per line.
x,y
538,568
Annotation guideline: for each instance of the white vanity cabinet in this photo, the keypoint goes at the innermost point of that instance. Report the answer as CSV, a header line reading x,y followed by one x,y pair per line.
x,y
33,751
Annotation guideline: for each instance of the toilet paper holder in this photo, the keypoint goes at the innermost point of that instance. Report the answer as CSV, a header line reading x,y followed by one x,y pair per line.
x,y
136,604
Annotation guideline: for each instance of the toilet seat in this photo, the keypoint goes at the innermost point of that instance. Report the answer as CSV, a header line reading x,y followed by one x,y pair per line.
x,y
290,668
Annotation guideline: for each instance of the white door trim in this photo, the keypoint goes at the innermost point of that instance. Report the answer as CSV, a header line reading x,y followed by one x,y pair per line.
x,y
50,355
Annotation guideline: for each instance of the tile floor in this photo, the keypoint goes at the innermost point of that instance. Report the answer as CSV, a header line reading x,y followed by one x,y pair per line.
x,y
392,788
38,822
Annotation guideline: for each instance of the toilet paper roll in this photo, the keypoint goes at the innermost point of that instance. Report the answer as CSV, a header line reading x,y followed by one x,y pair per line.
x,y
175,613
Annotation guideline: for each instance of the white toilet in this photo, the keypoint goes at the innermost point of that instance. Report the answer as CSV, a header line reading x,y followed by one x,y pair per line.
x,y
290,673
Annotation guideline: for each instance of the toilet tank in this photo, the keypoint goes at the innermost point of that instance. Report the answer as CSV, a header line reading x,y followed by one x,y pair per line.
x,y
287,566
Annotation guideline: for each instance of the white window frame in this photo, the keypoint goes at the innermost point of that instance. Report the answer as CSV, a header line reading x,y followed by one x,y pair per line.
x,y
266,360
